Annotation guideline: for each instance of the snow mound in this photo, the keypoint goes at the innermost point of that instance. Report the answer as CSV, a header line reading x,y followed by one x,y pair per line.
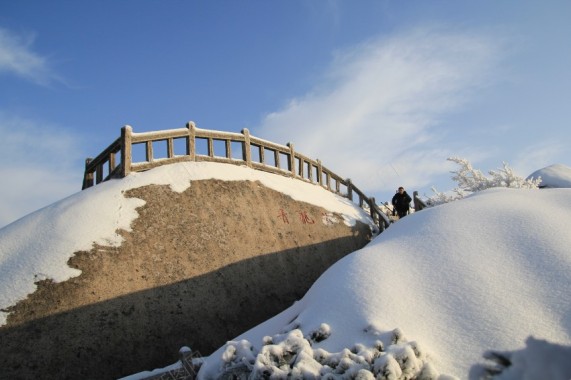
x,y
556,175
461,278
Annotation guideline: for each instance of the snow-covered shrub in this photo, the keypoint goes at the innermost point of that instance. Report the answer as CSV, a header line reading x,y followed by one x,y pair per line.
x,y
291,356
238,359
398,336
440,198
321,333
407,360
387,368
505,177
471,180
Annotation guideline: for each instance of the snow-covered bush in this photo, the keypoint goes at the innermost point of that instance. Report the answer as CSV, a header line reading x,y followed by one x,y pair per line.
x,y
292,356
471,180
440,198
238,358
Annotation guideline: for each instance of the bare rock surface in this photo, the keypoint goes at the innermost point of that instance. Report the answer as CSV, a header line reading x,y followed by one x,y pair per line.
x,y
197,269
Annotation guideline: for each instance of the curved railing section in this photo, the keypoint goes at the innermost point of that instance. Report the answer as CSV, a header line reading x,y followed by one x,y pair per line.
x,y
135,152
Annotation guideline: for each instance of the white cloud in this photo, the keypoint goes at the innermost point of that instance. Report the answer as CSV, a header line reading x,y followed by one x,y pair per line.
x,y
379,107
16,57
39,164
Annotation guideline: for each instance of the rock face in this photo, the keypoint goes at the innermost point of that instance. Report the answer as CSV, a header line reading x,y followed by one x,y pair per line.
x,y
197,269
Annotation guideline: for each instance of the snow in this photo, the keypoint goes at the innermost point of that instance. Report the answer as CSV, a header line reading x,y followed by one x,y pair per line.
x,y
557,175
481,273
538,360
428,297
39,245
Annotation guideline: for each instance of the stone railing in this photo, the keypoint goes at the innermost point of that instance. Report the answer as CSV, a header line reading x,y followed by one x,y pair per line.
x,y
135,152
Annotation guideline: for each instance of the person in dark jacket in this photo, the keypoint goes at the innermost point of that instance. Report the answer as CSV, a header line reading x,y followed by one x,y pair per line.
x,y
401,202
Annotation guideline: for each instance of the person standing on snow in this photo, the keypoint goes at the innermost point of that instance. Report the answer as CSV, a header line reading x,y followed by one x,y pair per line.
x,y
401,202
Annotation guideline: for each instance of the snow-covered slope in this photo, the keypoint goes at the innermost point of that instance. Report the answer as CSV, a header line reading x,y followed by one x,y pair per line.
x,y
462,278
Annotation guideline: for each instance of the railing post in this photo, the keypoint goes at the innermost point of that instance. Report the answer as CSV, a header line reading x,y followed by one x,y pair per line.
x,y
311,167
262,155
372,210
111,163
99,174
291,163
277,159
418,205
88,176
191,142
126,150
349,189
210,147
246,150
170,148
228,149
149,151
319,173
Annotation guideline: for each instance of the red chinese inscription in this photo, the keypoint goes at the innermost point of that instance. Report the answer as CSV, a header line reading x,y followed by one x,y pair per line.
x,y
283,216
305,219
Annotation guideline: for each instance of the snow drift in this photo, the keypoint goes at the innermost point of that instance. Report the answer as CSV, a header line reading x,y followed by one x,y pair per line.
x,y
459,279
556,175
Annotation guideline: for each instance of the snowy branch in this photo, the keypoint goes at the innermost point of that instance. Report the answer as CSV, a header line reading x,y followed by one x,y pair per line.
x,y
471,180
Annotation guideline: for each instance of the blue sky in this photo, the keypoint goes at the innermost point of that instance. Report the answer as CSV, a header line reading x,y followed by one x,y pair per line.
x,y
381,91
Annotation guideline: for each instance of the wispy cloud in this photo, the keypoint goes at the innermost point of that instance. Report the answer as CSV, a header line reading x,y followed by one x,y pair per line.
x,y
377,112
40,164
18,58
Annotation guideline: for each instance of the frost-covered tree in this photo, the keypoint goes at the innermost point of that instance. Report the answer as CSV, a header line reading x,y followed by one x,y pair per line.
x,y
471,180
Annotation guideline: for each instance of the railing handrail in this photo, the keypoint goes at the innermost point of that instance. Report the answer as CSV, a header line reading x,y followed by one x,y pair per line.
x,y
298,165
95,165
